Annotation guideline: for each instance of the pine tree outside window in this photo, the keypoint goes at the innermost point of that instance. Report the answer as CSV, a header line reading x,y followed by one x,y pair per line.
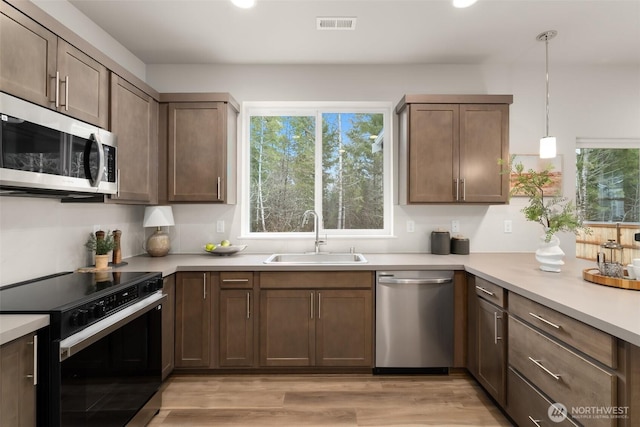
x,y
332,158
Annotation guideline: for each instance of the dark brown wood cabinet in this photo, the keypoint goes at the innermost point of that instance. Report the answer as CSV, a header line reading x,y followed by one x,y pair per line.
x,y
449,147
316,319
17,385
201,134
486,334
37,65
168,325
134,119
237,319
193,333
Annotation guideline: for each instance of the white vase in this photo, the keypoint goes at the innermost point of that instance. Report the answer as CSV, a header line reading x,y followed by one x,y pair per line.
x,y
549,254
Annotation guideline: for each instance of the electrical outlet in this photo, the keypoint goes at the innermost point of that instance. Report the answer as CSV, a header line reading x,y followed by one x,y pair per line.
x,y
455,226
411,226
508,226
220,226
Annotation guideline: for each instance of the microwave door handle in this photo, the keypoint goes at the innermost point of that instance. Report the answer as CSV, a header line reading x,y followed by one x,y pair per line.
x,y
95,182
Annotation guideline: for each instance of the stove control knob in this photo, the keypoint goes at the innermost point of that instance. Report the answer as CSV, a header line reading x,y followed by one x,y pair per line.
x,y
79,318
99,310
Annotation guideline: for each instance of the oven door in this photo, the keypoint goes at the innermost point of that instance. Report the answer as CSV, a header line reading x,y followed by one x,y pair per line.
x,y
111,369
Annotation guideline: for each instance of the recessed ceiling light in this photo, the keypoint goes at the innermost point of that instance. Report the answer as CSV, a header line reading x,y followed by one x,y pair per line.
x,y
244,4
463,3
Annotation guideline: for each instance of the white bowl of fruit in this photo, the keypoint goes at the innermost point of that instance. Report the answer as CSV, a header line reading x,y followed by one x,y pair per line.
x,y
223,248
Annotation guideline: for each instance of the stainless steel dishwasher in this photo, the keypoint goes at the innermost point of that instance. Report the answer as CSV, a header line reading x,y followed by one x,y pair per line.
x,y
414,321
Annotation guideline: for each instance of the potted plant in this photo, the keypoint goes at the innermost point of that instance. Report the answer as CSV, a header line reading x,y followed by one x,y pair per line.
x,y
550,209
101,244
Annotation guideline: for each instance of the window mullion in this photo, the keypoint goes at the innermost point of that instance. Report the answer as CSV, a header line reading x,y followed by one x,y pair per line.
x,y
318,171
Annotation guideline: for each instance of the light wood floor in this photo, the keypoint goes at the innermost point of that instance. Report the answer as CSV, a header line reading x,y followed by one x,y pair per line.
x,y
315,400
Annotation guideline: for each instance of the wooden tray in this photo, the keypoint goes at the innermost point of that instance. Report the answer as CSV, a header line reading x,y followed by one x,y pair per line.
x,y
593,275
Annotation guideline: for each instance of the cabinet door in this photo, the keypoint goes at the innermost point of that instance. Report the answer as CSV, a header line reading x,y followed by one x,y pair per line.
x,y
197,152
236,327
27,57
287,328
84,86
484,138
134,119
168,325
344,328
491,349
17,389
193,320
472,326
433,153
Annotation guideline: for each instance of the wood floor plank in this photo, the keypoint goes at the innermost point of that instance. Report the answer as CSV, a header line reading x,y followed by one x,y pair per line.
x,y
325,400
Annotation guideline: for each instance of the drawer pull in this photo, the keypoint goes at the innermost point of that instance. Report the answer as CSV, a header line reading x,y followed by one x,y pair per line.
x,y
542,319
541,366
486,291
535,422
235,280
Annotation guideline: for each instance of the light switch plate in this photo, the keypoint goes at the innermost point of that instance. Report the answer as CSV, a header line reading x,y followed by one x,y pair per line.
x,y
455,226
411,226
220,226
508,226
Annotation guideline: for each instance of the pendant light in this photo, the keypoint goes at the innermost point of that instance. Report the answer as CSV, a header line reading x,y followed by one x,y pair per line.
x,y
547,143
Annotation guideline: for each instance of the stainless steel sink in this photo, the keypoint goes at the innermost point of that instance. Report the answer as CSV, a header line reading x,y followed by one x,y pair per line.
x,y
316,258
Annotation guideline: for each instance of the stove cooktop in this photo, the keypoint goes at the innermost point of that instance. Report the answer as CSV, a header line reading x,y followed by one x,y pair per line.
x,y
61,292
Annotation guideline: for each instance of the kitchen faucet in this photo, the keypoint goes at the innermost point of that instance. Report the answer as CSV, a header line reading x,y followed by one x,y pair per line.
x,y
316,228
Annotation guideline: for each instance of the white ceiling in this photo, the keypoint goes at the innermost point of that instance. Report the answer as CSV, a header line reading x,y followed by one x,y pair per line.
x,y
387,31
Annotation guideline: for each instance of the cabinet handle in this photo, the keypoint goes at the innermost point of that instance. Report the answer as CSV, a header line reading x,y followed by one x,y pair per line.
x,y
457,189
488,292
218,189
248,306
535,422
66,93
34,376
235,280
496,338
541,366
319,305
118,184
540,318
57,83
464,189
311,303
204,285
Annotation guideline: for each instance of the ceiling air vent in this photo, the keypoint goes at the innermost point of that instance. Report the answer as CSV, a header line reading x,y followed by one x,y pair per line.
x,y
336,23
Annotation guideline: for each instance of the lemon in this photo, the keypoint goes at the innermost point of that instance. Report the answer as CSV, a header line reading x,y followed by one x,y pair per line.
x,y
209,247
225,243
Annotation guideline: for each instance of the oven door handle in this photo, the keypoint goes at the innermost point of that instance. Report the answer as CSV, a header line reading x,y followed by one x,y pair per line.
x,y
77,342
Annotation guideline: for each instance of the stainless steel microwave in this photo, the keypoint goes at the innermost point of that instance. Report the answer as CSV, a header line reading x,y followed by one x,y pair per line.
x,y
43,151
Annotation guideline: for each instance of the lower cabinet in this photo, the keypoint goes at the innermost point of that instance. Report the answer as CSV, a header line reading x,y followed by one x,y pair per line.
x,y
237,319
17,385
486,346
193,320
327,325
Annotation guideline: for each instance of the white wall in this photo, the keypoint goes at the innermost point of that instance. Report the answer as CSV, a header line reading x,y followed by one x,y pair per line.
x,y
39,237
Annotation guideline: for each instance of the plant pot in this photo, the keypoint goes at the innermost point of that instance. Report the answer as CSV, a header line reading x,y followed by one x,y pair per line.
x,y
549,254
102,262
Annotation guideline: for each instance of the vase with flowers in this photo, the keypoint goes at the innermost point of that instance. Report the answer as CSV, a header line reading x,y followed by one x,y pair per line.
x,y
554,212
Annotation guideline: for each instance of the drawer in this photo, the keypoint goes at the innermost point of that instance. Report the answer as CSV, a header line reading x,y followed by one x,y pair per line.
x,y
316,279
561,374
236,279
587,339
490,291
527,406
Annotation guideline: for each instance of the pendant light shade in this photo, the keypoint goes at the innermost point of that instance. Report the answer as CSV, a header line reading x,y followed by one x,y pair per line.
x,y
547,143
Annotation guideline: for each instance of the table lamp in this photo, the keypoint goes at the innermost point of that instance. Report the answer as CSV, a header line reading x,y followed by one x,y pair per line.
x,y
158,244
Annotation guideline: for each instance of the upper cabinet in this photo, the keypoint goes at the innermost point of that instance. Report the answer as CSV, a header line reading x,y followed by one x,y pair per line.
x,y
449,146
40,67
201,138
134,119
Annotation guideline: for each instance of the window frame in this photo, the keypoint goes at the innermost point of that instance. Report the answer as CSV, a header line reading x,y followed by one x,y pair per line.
x,y
253,108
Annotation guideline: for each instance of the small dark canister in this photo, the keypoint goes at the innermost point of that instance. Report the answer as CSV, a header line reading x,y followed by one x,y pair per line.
x,y
459,245
440,242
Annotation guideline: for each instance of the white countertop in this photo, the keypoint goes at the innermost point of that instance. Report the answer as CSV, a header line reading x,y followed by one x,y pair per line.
x,y
14,326
615,311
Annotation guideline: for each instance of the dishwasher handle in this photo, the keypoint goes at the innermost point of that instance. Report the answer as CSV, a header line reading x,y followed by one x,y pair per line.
x,y
424,281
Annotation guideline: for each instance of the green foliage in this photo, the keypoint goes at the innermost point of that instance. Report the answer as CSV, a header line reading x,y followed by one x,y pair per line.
x,y
554,212
101,246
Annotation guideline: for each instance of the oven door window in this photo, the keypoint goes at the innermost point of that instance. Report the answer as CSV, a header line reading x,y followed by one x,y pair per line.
x,y
30,147
106,383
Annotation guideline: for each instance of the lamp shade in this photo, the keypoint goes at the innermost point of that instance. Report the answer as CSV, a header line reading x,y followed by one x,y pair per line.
x,y
548,147
158,216
244,4
463,3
